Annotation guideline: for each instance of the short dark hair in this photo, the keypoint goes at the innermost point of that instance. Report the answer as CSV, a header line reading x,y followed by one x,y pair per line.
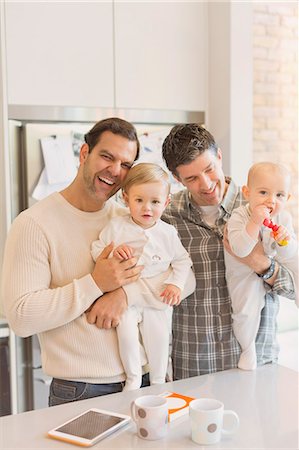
x,y
185,143
116,126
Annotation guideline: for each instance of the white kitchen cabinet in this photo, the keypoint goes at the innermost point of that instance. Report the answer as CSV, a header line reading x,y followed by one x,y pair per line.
x,y
107,54
60,53
161,55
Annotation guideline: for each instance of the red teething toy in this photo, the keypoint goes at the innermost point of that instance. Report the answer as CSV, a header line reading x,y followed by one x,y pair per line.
x,y
268,223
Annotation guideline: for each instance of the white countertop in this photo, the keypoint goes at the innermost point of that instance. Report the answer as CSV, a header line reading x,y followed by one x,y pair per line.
x,y
266,401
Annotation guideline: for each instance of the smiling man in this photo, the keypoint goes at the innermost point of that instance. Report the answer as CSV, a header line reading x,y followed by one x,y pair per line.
x,y
50,282
203,340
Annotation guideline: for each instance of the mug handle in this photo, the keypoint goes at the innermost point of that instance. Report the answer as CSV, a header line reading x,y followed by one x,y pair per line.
x,y
133,413
235,426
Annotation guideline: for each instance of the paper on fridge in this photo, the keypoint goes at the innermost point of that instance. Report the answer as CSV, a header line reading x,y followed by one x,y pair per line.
x,y
151,152
43,188
59,159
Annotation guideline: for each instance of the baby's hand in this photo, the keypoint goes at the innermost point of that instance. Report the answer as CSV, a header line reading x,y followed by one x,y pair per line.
x,y
259,214
123,252
171,295
281,234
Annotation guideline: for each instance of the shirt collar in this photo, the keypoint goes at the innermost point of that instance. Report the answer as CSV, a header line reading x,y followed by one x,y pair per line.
x,y
230,196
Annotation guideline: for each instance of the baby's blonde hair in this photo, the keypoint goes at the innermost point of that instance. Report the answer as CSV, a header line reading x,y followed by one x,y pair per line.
x,y
144,173
274,167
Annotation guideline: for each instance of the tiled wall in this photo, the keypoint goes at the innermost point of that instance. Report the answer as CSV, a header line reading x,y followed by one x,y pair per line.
x,y
275,103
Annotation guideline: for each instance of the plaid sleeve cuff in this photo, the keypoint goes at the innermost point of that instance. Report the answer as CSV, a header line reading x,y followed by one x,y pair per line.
x,y
284,284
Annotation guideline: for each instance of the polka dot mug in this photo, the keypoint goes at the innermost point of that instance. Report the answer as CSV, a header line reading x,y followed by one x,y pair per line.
x,y
206,416
150,412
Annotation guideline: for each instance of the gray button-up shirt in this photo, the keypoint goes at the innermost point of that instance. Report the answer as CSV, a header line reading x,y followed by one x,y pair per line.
x,y
203,339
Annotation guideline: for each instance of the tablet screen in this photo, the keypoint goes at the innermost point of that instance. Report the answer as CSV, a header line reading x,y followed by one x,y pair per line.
x,y
90,425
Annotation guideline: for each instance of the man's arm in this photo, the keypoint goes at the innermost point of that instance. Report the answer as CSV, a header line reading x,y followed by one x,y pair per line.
x,y
281,281
260,263
106,311
31,304
104,314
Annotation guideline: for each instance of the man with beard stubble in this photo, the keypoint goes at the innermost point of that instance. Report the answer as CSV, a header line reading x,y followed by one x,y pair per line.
x,y
50,282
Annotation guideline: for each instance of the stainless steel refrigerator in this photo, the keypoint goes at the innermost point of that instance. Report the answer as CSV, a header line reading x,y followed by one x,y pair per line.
x,y
27,126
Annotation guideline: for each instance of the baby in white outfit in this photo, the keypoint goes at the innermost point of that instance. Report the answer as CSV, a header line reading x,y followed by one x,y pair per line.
x,y
267,192
142,233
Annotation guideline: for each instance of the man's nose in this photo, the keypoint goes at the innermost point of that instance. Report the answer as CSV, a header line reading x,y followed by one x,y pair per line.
x,y
115,168
205,182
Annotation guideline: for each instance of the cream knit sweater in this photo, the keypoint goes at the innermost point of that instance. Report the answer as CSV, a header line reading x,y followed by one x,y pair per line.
x,y
47,286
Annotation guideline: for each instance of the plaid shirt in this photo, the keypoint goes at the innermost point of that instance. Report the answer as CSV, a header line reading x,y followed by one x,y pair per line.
x,y
203,340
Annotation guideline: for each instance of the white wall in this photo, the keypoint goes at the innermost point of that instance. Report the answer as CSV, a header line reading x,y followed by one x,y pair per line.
x,y
229,114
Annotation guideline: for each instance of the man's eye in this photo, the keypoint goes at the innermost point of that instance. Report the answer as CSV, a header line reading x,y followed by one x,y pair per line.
x,y
126,166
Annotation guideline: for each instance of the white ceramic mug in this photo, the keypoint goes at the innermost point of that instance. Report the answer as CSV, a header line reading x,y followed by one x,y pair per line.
x,y
150,413
207,420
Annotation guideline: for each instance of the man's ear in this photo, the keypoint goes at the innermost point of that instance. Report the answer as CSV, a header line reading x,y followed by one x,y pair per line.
x,y
168,200
245,192
84,152
219,154
176,177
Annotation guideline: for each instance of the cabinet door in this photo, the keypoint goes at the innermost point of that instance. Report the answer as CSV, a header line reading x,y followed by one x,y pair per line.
x,y
60,53
161,55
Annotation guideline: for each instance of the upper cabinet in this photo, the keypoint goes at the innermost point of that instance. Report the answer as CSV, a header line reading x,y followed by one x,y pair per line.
x,y
112,54
161,55
60,53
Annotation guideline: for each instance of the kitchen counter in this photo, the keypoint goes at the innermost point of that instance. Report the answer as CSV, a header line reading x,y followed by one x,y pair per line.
x,y
266,401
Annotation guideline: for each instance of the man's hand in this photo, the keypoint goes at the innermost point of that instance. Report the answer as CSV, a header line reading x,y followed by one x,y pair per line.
x,y
110,274
256,260
106,311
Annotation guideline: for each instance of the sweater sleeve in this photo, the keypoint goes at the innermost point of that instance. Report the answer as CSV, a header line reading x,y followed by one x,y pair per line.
x,y
286,284
240,242
30,303
105,238
181,264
